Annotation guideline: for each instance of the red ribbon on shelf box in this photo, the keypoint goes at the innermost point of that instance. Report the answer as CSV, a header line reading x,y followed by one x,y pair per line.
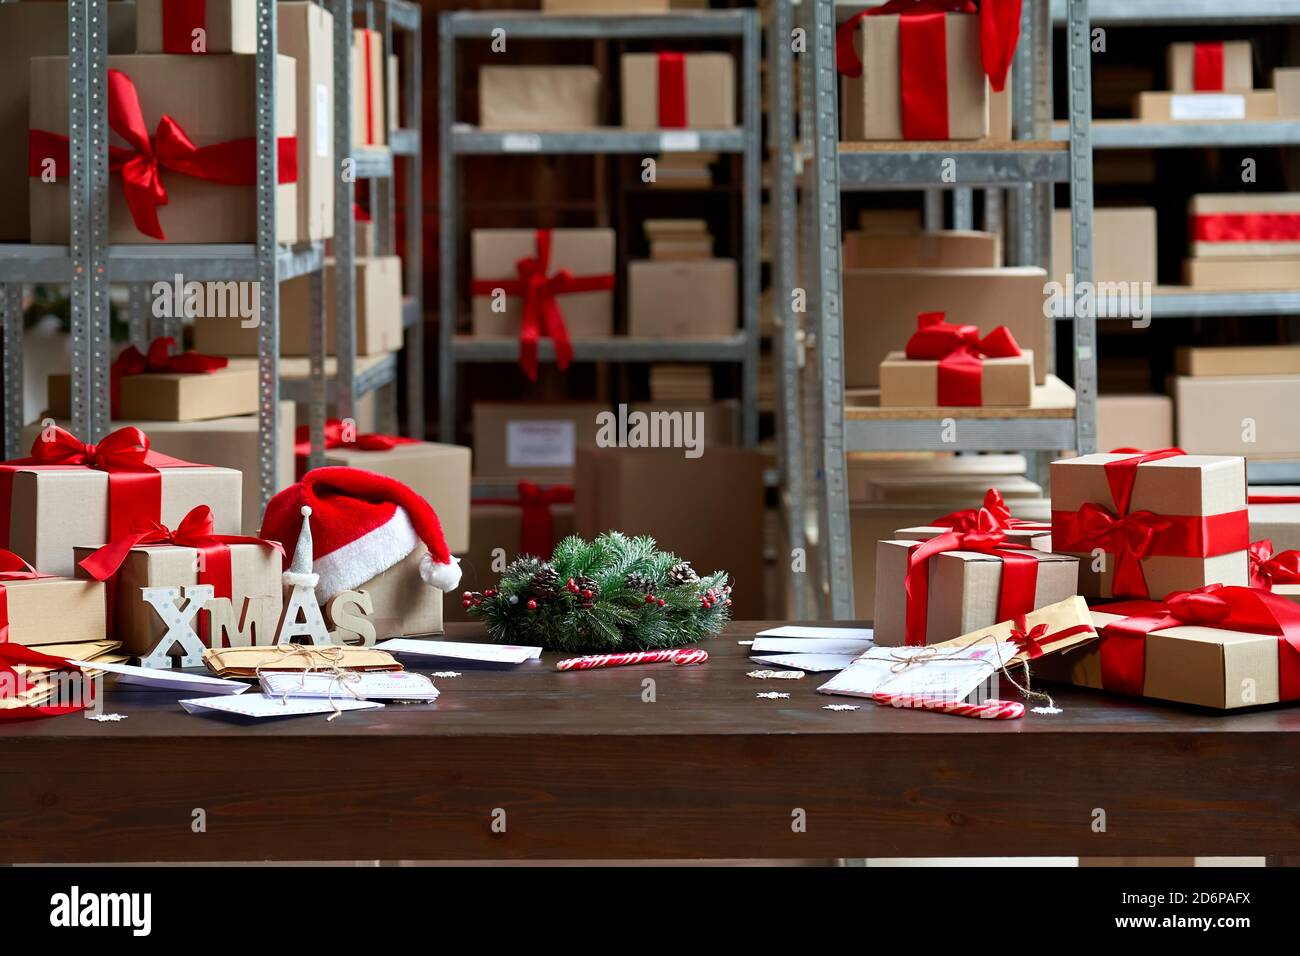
x,y
1246,227
993,513
1268,568
14,568
537,525
923,54
372,137
1232,608
1207,67
540,289
232,163
1134,535
180,18
1273,499
960,352
157,360
337,435
671,74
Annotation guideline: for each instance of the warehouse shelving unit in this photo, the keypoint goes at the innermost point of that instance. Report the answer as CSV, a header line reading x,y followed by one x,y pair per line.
x,y
458,141
1027,167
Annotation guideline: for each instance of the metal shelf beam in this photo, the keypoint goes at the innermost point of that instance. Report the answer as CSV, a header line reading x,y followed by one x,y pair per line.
x,y
1153,12
1126,134
469,141
974,434
526,25
615,349
903,169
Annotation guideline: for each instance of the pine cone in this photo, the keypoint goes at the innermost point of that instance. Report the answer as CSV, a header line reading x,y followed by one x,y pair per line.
x,y
586,584
682,574
639,582
545,582
523,568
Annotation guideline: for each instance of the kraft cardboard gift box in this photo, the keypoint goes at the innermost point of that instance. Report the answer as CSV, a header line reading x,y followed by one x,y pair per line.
x,y
690,299
172,396
705,92
494,254
369,128
402,604
1182,499
1155,107
1251,415
871,104
964,589
1135,421
1275,515
939,249
1124,245
31,30
1234,72
54,610
213,100
1286,83
1237,360
250,615
1242,225
306,33
914,383
1238,273
539,97
881,306
378,329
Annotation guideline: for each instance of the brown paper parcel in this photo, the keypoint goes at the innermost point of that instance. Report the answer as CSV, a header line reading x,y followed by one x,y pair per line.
x,y
172,396
247,661
1067,625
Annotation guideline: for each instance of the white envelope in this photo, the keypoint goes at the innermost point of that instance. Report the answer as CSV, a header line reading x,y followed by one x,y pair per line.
x,y
260,706
376,685
805,630
150,678
953,677
812,663
461,650
809,645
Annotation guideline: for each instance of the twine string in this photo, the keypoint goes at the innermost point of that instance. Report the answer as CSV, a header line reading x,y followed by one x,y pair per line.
x,y
929,654
332,656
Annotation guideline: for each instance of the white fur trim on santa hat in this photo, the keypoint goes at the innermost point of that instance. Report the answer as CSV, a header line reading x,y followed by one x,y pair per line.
x,y
444,577
361,559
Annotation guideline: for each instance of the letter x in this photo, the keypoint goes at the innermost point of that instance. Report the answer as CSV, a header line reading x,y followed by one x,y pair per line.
x,y
180,623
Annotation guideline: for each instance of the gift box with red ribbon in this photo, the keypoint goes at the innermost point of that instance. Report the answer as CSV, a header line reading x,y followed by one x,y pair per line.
x,y
196,26
68,493
1146,524
242,570
1210,66
1218,646
43,609
1274,512
679,90
993,513
182,149
369,69
946,364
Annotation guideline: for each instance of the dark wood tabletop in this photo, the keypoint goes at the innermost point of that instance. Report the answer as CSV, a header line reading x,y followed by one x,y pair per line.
x,y
578,766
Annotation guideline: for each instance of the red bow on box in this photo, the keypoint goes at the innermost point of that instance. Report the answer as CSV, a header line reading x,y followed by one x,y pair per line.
x,y
232,163
337,435
537,525
14,568
1251,610
1033,641
994,513
1268,569
157,360
923,54
960,352
539,288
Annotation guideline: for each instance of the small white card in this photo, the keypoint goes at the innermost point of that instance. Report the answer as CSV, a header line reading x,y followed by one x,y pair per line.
x,y
679,141
151,678
953,676
520,143
461,651
804,630
541,444
1207,106
808,645
260,706
376,685
813,663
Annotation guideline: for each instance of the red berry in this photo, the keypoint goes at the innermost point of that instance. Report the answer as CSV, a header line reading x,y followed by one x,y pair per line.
x,y
490,592
468,595
649,599
532,605
728,602
587,593
662,602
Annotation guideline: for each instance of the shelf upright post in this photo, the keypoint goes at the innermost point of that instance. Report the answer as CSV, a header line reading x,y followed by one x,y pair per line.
x,y
413,264
752,219
345,304
1078,43
268,263
11,301
448,225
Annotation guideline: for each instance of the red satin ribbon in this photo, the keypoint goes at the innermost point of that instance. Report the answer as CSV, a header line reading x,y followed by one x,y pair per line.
x,y
994,513
180,18
672,90
158,360
537,524
232,163
1032,641
12,568
337,437
1254,611
923,56
542,313
1273,499
1207,67
1019,575
1268,568
960,352
1246,227
371,136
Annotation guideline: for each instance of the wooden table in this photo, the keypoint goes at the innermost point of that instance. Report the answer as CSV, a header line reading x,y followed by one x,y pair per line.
x,y
582,767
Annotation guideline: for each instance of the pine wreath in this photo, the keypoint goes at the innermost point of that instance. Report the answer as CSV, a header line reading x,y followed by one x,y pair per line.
x,y
616,593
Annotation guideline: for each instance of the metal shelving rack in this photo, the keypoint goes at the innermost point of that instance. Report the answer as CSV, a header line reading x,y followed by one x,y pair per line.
x,y
1027,167
458,140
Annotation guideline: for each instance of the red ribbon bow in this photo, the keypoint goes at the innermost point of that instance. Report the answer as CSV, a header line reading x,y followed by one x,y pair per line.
x,y
1268,568
994,512
541,313
158,360
232,163
923,54
960,352
339,436
537,524
1029,642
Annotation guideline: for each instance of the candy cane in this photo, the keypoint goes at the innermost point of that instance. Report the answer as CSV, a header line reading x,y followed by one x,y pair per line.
x,y
687,655
989,709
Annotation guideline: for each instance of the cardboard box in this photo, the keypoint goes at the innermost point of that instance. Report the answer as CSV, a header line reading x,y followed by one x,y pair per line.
x,y
1135,421
1238,360
437,473
869,472
708,99
945,249
693,299
171,396
1253,415
1235,73
211,98
1286,84
404,606
1186,491
964,589
306,33
226,26
249,616
1206,107
881,306
534,440
369,128
583,252
1239,273
721,530
539,97
915,382
871,104
54,610
1277,520
911,487
605,6
28,30
1243,225
1124,245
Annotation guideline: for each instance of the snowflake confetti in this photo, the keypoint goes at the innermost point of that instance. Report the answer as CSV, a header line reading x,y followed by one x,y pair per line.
x,y
779,675
445,674
840,707
773,695
105,718
745,643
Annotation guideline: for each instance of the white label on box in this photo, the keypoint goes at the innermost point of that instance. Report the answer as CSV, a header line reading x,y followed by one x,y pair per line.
x,y
680,142
1207,106
541,444
521,143
322,120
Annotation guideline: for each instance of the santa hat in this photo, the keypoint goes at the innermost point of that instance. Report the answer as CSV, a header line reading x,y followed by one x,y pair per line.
x,y
361,525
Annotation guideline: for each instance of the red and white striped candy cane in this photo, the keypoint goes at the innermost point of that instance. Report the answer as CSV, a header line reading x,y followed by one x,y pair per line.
x,y
988,710
686,655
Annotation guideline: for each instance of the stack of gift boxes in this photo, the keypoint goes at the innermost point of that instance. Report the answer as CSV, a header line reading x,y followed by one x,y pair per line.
x,y
1213,81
